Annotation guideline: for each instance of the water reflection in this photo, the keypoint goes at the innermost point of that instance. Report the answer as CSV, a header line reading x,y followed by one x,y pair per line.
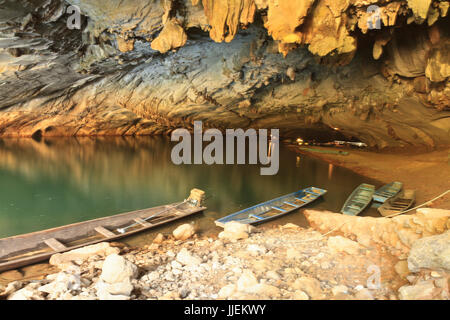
x,y
59,181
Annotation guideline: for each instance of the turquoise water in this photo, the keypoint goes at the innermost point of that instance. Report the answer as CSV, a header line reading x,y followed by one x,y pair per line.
x,y
65,180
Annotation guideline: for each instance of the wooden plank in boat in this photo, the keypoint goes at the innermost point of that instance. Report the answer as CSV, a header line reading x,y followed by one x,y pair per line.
x,y
143,222
291,204
104,232
55,244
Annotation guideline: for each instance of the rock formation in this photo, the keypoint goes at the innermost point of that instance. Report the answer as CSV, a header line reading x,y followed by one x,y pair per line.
x,y
138,67
397,233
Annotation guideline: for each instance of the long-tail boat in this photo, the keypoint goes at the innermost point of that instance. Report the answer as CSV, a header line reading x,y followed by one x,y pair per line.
x,y
274,208
358,200
21,250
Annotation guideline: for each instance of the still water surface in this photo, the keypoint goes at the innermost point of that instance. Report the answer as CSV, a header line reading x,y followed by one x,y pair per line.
x,y
60,181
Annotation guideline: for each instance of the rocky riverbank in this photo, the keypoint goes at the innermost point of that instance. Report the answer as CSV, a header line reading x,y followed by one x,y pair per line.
x,y
282,262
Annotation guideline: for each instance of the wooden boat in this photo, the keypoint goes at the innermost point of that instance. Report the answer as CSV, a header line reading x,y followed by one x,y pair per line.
x,y
387,191
274,208
401,202
358,200
22,250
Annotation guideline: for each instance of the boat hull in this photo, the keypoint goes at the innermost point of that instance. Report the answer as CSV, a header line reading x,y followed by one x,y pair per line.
x,y
403,201
387,191
359,200
274,208
22,250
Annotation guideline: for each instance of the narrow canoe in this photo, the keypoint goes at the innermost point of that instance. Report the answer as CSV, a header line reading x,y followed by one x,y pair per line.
x,y
274,208
358,200
22,250
387,191
403,201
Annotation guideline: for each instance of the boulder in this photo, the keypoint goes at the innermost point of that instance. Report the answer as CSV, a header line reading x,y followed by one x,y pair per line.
x,y
339,289
235,231
66,259
246,281
117,269
159,238
26,293
397,233
430,253
424,290
184,232
264,290
291,226
186,258
115,291
364,294
309,285
300,295
341,244
401,268
62,284
227,291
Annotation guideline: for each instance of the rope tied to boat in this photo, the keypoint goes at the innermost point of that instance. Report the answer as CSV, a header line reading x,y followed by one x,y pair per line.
x,y
417,207
392,215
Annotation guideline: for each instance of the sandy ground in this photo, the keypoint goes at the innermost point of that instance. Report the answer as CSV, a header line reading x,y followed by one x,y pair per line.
x,y
427,173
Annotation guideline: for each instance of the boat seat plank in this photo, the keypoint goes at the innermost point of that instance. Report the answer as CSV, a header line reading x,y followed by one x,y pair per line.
x,y
55,244
291,204
255,216
300,199
142,222
104,232
279,209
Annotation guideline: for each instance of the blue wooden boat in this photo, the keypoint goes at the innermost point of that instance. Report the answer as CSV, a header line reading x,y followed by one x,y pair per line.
x,y
274,208
387,191
358,200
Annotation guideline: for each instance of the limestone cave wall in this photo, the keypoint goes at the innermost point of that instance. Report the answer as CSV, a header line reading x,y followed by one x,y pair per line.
x,y
142,67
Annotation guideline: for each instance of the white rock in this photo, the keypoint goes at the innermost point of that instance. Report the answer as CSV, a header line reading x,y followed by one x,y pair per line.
x,y
310,285
235,231
364,294
183,232
186,258
423,290
246,281
339,289
256,249
159,238
300,295
227,291
150,277
430,253
292,253
341,244
272,275
116,291
25,294
263,290
63,260
290,226
117,269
